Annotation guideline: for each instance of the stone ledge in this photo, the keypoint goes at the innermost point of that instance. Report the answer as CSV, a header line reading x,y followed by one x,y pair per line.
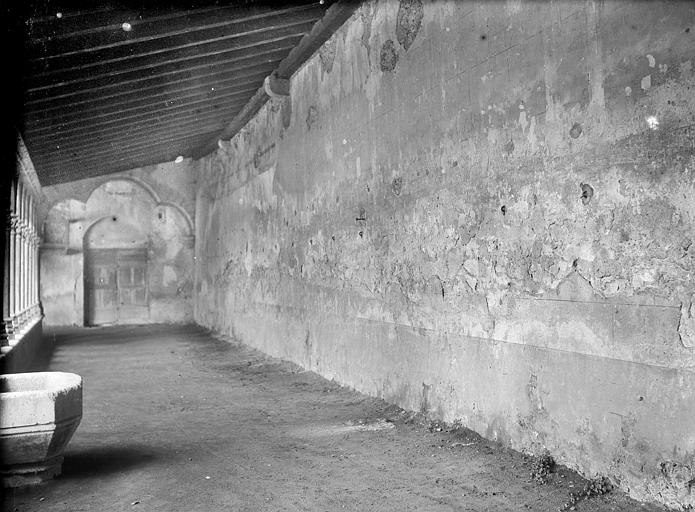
x,y
28,351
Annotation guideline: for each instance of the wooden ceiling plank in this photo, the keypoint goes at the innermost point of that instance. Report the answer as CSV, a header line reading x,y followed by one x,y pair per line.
x,y
51,17
106,20
108,153
123,117
144,144
134,129
247,55
133,62
57,135
162,89
79,152
129,137
173,77
159,39
55,177
163,130
68,116
104,160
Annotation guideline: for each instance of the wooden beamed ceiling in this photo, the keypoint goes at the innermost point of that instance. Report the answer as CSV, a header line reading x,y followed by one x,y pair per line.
x,y
112,88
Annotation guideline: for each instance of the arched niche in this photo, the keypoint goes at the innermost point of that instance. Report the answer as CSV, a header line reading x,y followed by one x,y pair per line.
x,y
124,198
60,217
115,232
134,199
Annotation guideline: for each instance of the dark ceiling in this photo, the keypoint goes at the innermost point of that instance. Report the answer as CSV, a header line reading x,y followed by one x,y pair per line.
x,y
110,88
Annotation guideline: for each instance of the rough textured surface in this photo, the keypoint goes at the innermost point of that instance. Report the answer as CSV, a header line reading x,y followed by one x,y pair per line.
x,y
39,413
498,231
176,420
129,210
410,13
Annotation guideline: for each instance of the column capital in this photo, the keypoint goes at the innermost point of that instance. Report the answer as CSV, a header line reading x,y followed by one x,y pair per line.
x,y
13,222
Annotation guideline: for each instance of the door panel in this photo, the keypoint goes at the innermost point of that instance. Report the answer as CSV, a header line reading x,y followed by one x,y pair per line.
x,y
101,291
116,286
132,286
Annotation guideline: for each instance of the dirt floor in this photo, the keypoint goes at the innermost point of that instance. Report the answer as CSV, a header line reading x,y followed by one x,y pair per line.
x,y
177,420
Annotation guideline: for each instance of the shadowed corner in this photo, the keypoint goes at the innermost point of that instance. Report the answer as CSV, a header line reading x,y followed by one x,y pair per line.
x,y
96,462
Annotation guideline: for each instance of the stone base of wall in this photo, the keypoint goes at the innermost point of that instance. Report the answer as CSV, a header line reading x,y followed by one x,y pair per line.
x,y
31,353
597,415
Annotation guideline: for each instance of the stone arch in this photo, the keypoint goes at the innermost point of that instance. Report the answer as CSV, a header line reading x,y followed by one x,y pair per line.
x,y
142,184
183,213
150,191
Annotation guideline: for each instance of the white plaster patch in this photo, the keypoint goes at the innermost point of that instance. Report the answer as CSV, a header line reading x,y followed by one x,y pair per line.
x,y
646,82
531,136
628,91
328,148
512,7
523,123
652,60
332,430
686,326
168,275
652,122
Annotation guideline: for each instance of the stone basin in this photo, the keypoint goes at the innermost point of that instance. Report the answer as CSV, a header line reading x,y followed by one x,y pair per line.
x,y
39,413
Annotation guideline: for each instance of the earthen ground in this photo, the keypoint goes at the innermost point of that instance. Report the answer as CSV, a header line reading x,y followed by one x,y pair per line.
x,y
177,420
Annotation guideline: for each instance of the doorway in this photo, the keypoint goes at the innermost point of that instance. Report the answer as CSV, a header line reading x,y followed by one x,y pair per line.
x,y
116,286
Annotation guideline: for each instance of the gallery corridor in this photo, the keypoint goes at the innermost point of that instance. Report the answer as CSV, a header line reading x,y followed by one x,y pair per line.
x,y
177,420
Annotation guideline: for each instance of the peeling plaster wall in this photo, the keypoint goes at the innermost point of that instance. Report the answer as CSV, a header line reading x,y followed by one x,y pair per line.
x,y
135,198
485,212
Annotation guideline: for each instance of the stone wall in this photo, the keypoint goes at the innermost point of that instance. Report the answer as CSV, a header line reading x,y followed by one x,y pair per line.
x,y
152,206
484,211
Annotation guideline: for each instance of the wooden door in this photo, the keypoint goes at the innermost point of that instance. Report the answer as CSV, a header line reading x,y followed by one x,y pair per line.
x,y
115,286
